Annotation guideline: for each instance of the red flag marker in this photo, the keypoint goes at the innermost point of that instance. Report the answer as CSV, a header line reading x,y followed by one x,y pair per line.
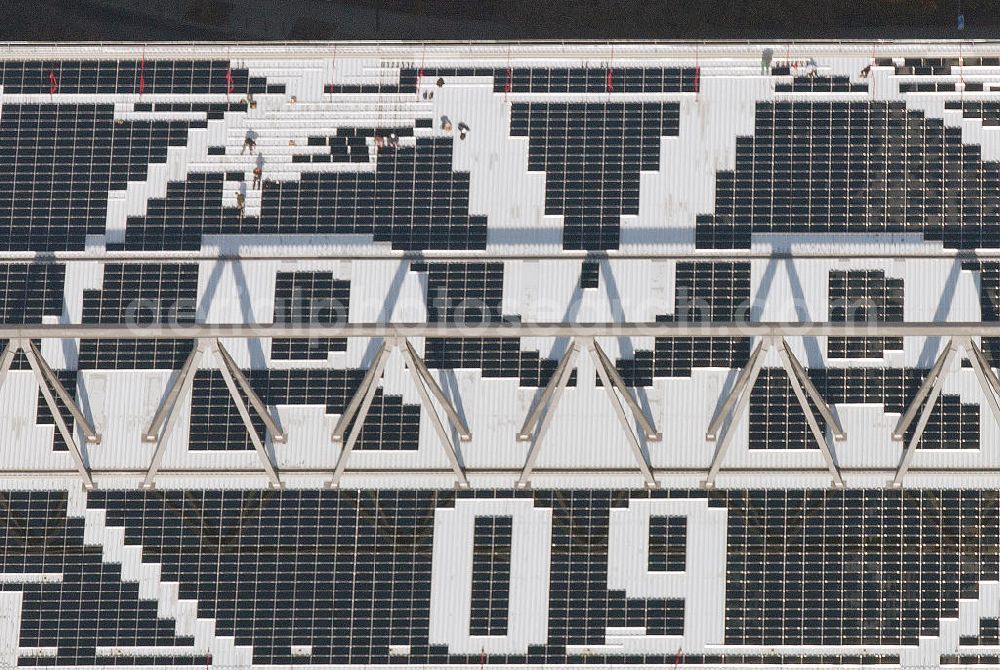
x,y
229,79
510,81
697,76
142,75
610,86
420,76
53,82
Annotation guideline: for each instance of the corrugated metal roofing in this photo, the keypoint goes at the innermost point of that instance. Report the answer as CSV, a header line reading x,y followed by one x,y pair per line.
x,y
584,432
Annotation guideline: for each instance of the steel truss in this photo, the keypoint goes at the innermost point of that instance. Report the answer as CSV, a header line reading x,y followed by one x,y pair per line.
x,y
541,414
395,337
356,411
739,397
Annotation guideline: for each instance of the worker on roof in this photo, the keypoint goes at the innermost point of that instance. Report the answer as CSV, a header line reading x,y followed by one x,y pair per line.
x,y
257,172
241,204
765,61
812,68
249,143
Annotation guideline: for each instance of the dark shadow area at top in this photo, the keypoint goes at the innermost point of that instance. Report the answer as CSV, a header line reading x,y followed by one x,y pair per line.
x,y
140,20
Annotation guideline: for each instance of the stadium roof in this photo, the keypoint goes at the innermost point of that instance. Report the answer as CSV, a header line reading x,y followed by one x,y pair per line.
x,y
561,354
482,225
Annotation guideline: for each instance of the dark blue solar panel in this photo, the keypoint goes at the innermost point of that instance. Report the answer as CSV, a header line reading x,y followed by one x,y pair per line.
x,y
309,298
140,293
43,417
472,293
491,548
795,570
216,424
582,145
989,303
27,293
704,291
414,200
854,167
92,606
808,84
123,76
986,110
57,164
777,421
865,296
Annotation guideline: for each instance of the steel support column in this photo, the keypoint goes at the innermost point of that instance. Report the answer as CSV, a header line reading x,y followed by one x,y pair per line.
x,y
740,395
633,440
420,368
166,415
364,397
421,383
602,361
715,424
277,435
173,394
427,387
67,434
547,404
531,421
234,392
932,395
907,418
813,392
372,375
6,358
32,352
793,378
984,373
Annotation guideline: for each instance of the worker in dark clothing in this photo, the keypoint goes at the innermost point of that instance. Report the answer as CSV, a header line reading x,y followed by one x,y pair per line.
x,y
248,143
257,172
463,130
241,204
866,71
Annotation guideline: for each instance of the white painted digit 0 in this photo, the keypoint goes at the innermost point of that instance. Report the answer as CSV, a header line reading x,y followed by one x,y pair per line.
x,y
451,577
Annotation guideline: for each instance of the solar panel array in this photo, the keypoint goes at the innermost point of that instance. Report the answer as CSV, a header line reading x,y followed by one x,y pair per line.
x,y
118,205
256,560
576,144
868,296
854,167
140,293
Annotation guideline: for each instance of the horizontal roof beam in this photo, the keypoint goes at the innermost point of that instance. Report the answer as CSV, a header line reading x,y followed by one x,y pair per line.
x,y
250,467
474,330
832,252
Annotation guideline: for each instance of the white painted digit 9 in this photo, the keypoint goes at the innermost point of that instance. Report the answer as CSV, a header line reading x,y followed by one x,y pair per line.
x,y
702,585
